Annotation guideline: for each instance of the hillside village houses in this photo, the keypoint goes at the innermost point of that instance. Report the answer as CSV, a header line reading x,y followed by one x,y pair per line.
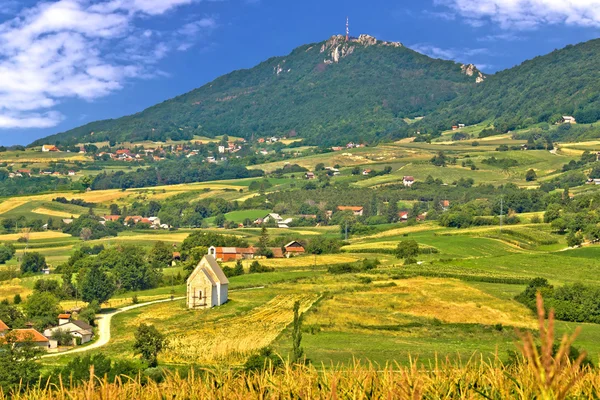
x,y
154,222
207,286
226,254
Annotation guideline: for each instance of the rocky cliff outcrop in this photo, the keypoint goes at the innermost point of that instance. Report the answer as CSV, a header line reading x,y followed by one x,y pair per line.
x,y
471,70
337,47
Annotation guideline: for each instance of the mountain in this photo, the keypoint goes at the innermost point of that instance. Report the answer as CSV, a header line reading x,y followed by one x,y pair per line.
x,y
326,92
564,82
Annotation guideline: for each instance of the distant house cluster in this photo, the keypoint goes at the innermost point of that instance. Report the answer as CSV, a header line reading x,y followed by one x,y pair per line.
x,y
226,254
349,145
154,222
80,332
28,173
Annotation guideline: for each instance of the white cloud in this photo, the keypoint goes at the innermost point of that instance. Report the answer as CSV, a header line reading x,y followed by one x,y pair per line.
x,y
78,49
527,14
449,53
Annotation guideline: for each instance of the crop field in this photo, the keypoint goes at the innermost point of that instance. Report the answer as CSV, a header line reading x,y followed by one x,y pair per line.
x,y
228,334
457,301
306,261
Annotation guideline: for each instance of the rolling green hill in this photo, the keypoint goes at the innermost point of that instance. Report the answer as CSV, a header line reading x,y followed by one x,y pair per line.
x,y
336,91
329,91
564,82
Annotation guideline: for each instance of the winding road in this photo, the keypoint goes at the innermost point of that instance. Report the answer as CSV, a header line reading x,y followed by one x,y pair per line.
x,y
103,331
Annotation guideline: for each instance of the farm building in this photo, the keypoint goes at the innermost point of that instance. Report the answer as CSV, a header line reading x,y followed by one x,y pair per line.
x,y
358,211
231,253
408,181
294,248
567,119
48,147
78,329
207,286
25,335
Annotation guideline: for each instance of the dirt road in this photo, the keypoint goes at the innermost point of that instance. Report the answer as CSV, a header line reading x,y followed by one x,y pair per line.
x,y
103,331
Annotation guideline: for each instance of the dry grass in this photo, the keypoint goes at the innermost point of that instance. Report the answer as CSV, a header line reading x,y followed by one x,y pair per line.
x,y
8,289
448,300
302,261
54,213
536,375
10,237
402,231
167,237
11,204
212,339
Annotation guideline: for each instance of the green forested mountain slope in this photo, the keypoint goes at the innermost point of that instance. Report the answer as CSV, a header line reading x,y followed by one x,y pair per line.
x,y
330,91
334,91
564,82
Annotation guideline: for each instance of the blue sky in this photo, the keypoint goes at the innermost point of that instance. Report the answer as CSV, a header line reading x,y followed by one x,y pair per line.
x,y
69,62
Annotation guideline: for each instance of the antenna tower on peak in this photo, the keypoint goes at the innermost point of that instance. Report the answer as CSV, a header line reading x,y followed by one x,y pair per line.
x,y
347,29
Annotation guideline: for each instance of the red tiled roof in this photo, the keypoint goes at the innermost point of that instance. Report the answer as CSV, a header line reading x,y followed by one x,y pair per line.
x,y
3,326
350,208
112,217
23,335
64,316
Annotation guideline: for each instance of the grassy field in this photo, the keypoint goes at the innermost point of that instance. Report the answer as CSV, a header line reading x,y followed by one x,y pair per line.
x,y
457,301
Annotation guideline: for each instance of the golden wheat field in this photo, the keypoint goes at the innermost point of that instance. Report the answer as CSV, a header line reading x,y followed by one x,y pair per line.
x,y
300,262
447,300
53,213
207,337
11,237
8,289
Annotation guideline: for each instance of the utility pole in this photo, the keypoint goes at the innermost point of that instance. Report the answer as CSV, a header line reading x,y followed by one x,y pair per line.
x,y
501,211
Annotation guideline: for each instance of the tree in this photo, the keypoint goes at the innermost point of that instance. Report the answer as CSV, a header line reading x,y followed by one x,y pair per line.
x,y
7,252
160,255
559,225
407,249
18,368
42,308
115,210
297,350
85,234
263,243
239,268
574,239
149,342
392,210
530,176
96,285
220,220
552,213
33,262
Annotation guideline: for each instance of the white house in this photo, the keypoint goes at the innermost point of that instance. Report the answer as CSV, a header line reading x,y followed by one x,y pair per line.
x,y
207,286
77,329
281,223
408,181
567,119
